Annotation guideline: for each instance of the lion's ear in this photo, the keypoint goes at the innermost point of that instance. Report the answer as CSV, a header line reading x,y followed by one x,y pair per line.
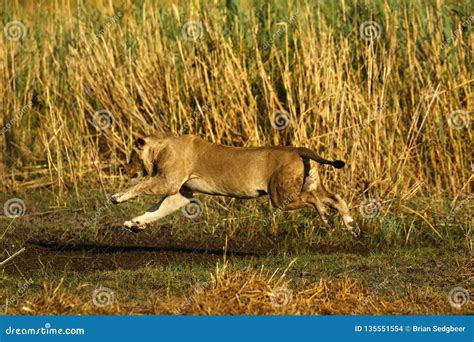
x,y
139,143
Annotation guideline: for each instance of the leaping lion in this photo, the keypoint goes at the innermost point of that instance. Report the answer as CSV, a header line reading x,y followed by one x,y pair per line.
x,y
176,167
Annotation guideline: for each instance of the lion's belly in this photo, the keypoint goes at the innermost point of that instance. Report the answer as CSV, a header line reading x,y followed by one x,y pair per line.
x,y
210,187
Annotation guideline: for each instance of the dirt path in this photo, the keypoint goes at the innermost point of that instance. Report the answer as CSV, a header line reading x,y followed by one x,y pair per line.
x,y
129,251
83,258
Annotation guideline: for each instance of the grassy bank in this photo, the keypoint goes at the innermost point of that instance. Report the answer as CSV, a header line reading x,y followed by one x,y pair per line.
x,y
226,261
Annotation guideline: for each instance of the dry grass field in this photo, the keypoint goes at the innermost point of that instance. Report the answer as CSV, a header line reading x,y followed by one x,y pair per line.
x,y
385,85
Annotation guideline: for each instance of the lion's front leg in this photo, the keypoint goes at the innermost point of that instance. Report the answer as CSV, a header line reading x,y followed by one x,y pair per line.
x,y
158,185
165,207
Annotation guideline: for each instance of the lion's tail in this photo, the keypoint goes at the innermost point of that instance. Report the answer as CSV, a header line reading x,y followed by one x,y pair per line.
x,y
307,153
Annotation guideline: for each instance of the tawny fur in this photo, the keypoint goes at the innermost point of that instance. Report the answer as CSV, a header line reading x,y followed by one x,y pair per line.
x,y
178,166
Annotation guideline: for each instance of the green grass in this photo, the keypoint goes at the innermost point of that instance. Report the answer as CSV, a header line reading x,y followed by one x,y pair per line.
x,y
177,255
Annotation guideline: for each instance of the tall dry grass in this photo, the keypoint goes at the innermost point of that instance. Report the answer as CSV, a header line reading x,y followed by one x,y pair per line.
x,y
382,105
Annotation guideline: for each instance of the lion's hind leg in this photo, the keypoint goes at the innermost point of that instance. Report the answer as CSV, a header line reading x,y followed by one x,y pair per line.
x,y
290,189
335,201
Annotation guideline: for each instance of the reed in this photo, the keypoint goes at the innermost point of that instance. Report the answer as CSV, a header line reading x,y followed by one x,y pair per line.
x,y
392,98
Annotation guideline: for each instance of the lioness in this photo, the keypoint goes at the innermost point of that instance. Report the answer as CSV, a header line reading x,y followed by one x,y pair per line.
x,y
178,166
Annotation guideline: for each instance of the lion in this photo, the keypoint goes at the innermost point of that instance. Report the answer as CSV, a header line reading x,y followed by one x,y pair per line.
x,y
176,167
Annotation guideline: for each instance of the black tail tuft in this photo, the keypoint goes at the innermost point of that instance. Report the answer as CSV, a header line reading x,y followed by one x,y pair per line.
x,y
338,164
